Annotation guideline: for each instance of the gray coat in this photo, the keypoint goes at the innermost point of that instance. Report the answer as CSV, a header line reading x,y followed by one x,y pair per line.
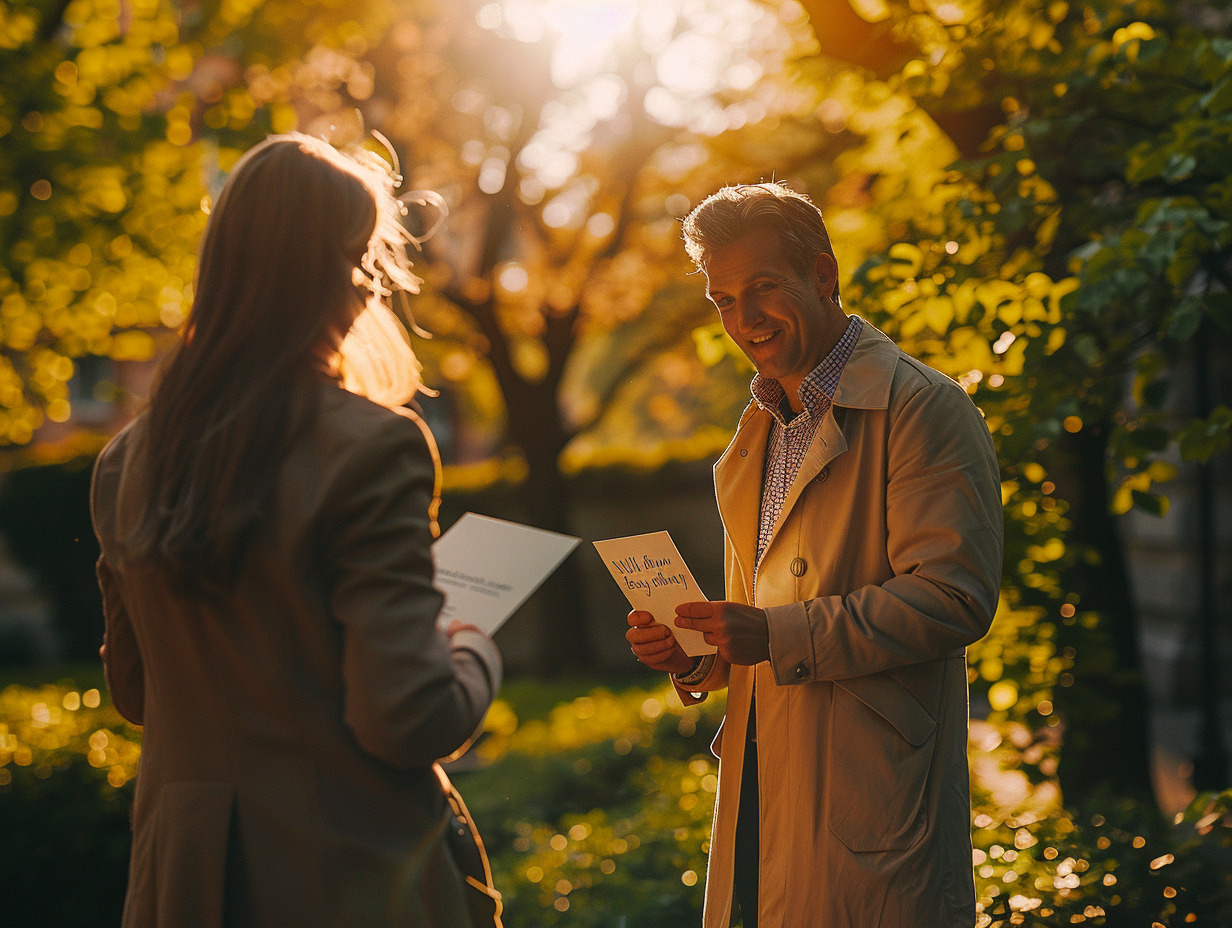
x,y
291,728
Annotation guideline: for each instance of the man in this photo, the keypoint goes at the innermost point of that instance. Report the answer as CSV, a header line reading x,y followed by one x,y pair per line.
x,y
861,506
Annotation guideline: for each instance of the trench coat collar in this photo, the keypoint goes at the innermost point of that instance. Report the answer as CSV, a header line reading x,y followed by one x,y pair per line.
x,y
866,379
739,472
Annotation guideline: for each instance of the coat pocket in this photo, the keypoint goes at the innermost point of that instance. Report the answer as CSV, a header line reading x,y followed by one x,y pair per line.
x,y
879,757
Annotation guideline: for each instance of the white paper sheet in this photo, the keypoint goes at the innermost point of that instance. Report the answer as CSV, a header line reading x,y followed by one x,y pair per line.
x,y
654,578
488,567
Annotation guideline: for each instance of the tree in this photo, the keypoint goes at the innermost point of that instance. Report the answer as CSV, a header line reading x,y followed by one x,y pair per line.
x,y
566,149
1034,198
104,174
562,163
1086,246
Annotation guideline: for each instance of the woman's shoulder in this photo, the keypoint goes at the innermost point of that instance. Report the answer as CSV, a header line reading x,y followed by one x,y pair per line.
x,y
112,468
117,454
357,449
350,421
352,439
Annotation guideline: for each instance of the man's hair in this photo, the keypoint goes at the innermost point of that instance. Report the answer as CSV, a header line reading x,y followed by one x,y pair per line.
x,y
734,211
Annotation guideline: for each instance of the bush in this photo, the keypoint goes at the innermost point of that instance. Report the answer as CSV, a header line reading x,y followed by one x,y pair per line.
x,y
67,762
45,517
598,816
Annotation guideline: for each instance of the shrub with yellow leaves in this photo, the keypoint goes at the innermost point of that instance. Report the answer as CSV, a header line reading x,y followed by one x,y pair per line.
x,y
598,816
67,767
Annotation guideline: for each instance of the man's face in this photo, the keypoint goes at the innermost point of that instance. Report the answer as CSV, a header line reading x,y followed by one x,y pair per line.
x,y
774,313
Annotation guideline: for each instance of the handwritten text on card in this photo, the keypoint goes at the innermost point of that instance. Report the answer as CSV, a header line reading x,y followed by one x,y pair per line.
x,y
655,579
631,572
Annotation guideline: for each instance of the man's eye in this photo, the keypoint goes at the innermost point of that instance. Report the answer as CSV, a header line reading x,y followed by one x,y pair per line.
x,y
765,286
722,302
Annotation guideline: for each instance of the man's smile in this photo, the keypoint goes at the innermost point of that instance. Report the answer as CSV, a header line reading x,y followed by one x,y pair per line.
x,y
760,339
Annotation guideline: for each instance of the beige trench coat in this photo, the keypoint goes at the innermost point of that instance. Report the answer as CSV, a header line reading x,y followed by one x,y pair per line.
x,y
884,565
288,773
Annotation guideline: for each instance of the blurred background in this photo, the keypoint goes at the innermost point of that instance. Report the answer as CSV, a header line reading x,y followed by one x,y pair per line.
x,y
1033,196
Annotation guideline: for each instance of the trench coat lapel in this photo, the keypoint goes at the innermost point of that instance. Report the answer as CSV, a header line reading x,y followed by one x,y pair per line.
x,y
828,443
737,482
739,473
864,384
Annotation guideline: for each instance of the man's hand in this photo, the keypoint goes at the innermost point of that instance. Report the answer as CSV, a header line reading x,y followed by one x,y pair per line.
x,y
739,632
654,644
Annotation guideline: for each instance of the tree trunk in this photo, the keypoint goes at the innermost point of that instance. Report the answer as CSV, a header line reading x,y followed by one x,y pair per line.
x,y
534,423
1105,710
842,35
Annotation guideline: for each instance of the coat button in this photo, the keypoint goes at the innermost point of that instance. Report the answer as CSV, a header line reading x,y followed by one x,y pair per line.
x,y
798,567
744,452
801,671
823,474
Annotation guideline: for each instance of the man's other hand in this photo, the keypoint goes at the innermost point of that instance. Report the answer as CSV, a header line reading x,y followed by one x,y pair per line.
x,y
654,644
739,632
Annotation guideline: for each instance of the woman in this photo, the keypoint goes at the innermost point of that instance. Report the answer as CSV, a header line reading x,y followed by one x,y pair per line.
x,y
267,577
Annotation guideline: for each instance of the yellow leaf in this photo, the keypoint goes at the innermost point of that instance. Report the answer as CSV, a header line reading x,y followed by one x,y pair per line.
x,y
1010,312
1033,310
907,259
1060,289
1041,35
912,324
895,300
939,311
1038,286
964,298
992,293
1162,471
1014,358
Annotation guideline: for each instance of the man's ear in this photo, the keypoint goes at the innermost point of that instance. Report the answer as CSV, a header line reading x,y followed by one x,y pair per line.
x,y
825,275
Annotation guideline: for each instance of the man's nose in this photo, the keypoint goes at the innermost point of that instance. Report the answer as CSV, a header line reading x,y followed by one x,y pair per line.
x,y
746,315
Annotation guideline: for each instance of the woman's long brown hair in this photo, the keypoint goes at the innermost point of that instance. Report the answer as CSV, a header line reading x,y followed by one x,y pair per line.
x,y
286,252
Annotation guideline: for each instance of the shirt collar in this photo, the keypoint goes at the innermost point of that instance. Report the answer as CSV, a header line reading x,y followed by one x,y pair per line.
x,y
818,387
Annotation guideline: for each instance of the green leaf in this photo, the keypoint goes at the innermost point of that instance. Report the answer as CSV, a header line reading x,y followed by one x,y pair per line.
x,y
1145,162
1200,439
1219,310
1154,393
1179,166
1151,437
1155,504
1186,319
1219,100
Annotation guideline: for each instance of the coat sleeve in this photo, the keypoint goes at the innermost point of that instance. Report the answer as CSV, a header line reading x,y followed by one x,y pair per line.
x,y
717,676
122,664
944,546
411,694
